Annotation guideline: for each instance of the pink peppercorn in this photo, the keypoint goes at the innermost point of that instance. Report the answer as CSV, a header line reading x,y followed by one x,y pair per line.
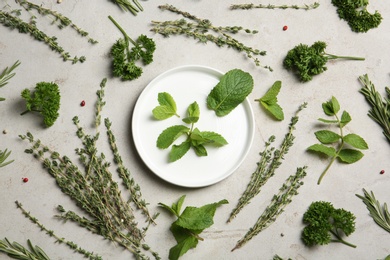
x,y
82,103
25,179
285,28
382,172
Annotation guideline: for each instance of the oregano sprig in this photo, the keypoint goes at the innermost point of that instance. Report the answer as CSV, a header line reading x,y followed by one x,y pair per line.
x,y
329,138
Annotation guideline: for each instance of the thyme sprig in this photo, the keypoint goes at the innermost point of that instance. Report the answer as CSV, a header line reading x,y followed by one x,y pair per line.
x,y
204,31
17,251
379,213
12,21
270,6
380,107
94,190
276,207
61,20
270,160
3,156
58,239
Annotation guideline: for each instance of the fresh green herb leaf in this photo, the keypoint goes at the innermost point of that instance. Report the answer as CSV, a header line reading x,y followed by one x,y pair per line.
x,y
179,151
3,156
207,137
346,155
199,149
189,224
193,113
269,101
169,135
176,207
167,107
6,75
231,90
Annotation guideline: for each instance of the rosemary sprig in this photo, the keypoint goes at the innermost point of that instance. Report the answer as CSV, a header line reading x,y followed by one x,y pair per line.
x,y
126,5
204,31
17,251
270,160
276,206
380,108
270,6
94,190
3,156
380,214
13,22
62,21
7,75
58,239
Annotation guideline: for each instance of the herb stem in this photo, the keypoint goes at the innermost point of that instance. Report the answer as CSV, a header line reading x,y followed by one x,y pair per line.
x,y
269,6
333,57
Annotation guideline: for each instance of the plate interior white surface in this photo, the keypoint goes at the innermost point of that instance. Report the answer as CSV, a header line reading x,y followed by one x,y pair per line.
x,y
188,84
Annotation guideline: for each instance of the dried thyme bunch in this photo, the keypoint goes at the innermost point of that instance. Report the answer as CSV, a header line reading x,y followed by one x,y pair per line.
x,y
61,20
58,239
270,6
270,160
199,29
276,206
94,190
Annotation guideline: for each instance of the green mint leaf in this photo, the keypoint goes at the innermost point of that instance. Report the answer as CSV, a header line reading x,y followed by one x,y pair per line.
x,y
213,138
169,135
193,113
331,107
327,137
274,109
185,241
175,208
200,150
179,151
194,218
269,101
232,89
356,141
167,107
350,155
345,118
320,148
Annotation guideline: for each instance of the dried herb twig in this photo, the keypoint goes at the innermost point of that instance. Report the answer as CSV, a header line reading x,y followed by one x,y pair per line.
x,y
204,31
380,214
58,239
61,20
270,6
94,189
17,251
276,206
380,108
270,160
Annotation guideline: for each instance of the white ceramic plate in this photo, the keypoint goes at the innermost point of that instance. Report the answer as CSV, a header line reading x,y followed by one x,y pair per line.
x,y
188,84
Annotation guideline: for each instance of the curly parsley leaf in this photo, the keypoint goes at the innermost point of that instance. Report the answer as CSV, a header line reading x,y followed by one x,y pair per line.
x,y
231,90
270,101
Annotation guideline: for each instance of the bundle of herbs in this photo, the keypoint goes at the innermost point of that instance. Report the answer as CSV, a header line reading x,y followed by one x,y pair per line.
x,y
204,31
94,190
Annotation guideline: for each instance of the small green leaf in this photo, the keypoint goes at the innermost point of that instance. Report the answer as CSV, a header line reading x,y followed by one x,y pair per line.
x,y
269,101
167,106
330,151
175,208
350,155
331,107
345,118
169,135
193,113
327,137
274,109
356,141
179,151
200,150
208,137
185,241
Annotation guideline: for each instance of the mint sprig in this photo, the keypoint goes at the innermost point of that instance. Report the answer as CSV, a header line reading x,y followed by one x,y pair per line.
x,y
270,101
189,224
167,107
333,144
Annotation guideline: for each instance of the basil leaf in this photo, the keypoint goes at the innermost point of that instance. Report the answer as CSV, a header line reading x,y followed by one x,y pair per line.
x,y
231,91
169,135
327,137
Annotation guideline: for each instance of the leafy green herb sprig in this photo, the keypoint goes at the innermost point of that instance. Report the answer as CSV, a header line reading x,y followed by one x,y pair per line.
x,y
44,99
189,224
270,101
58,239
125,58
355,13
380,107
92,187
327,137
270,6
6,75
3,156
204,31
12,21
326,224
126,5
270,160
380,214
17,251
194,137
308,61
276,207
